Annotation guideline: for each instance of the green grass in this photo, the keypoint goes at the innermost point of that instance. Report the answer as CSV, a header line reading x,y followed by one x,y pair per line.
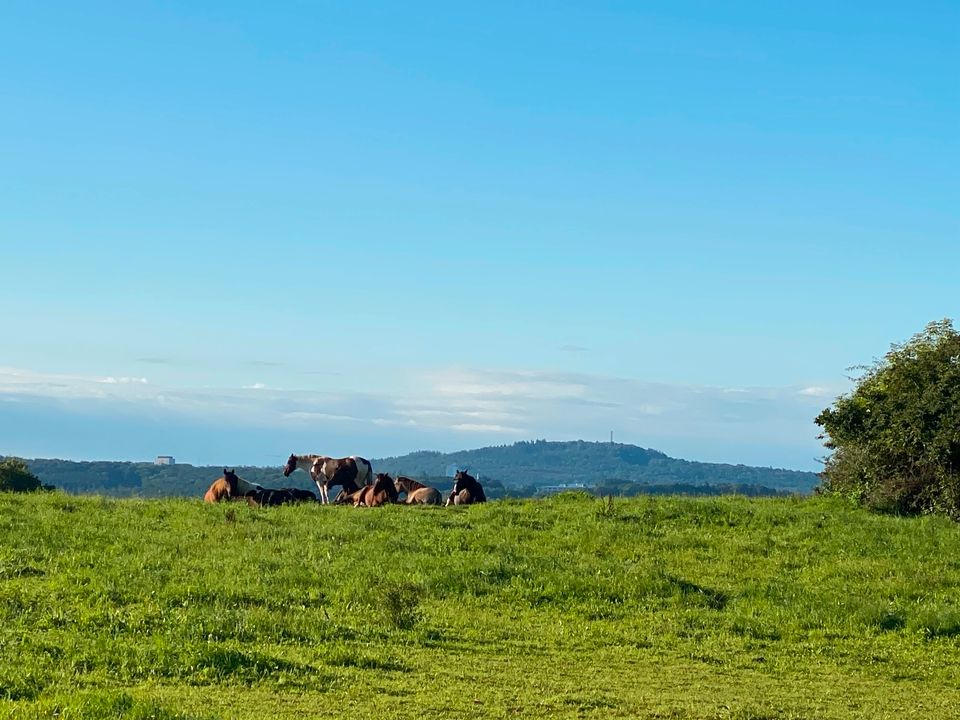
x,y
568,607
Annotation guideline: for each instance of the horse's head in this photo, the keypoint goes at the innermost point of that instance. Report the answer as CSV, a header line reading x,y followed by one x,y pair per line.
x,y
386,485
231,477
463,481
290,466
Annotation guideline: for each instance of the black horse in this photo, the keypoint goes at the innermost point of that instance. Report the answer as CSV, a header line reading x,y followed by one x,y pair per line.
x,y
283,496
466,490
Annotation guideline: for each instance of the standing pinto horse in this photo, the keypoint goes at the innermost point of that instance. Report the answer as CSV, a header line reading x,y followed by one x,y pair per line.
x,y
349,472
466,490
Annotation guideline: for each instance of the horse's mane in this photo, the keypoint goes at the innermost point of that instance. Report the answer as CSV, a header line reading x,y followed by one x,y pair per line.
x,y
414,484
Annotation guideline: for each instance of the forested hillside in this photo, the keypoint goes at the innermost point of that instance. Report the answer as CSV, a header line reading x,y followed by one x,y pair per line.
x,y
126,479
541,463
520,470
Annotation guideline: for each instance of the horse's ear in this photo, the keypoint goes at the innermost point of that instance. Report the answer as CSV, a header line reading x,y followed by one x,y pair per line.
x,y
225,471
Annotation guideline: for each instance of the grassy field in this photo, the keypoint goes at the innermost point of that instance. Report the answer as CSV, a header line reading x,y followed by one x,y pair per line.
x,y
569,607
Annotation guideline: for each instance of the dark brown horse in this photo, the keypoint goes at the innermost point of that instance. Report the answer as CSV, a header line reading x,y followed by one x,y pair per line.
x,y
466,490
327,472
348,498
223,488
417,493
382,491
348,491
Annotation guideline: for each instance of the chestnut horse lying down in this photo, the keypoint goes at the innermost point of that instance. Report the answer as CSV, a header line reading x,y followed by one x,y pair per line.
x,y
231,487
466,490
347,493
223,488
417,492
382,491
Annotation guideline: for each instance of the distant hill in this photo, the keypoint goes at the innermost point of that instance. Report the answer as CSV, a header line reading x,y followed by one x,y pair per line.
x,y
521,469
540,463
126,479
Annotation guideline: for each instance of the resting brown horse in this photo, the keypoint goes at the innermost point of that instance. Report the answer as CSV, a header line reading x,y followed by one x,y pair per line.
x,y
417,492
382,491
223,488
348,498
466,490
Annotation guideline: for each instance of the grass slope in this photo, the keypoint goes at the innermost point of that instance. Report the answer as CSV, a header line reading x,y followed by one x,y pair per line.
x,y
569,607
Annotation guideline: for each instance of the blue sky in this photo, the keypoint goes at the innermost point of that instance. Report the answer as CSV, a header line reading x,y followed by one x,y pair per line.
x,y
230,231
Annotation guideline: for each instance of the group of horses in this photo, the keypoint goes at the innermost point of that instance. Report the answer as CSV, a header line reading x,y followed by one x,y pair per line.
x,y
355,478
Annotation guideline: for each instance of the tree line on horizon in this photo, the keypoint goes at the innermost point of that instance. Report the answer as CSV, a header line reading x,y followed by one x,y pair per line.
x,y
894,443
529,469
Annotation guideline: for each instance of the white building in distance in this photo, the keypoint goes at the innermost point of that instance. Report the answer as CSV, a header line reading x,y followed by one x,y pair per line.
x,y
164,460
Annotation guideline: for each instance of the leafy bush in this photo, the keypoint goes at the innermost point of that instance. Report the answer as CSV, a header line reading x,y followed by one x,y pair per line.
x,y
896,436
15,476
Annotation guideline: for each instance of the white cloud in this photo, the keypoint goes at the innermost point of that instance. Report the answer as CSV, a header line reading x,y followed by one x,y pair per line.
x,y
318,416
393,422
16,381
818,392
487,405
493,385
482,428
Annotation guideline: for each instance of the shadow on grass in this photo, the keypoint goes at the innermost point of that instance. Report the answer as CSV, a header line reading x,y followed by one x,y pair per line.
x,y
713,599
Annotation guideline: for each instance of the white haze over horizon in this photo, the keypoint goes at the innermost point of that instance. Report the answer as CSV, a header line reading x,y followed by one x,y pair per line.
x,y
111,417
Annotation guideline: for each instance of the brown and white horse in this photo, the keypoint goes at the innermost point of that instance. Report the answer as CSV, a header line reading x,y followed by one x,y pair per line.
x,y
327,471
417,492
